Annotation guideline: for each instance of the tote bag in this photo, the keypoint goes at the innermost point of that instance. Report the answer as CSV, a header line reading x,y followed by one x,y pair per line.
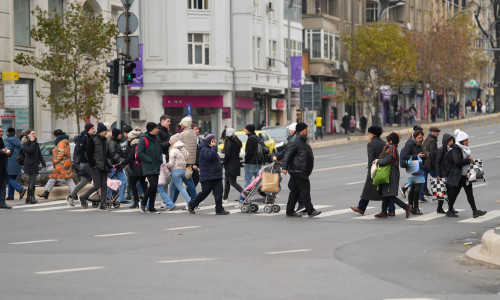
x,y
270,183
382,176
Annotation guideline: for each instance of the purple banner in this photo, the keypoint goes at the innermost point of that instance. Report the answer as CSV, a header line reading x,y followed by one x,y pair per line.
x,y
296,63
138,80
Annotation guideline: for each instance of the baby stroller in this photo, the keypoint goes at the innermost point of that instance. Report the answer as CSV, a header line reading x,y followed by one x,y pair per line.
x,y
252,194
95,197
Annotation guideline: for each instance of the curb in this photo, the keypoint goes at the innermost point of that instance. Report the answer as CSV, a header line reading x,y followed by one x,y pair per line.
x,y
489,250
402,132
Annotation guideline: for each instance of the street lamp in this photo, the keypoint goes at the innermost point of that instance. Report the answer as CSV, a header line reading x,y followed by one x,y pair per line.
x,y
400,3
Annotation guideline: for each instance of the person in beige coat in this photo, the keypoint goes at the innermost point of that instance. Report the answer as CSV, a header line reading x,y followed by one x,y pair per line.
x,y
190,140
178,158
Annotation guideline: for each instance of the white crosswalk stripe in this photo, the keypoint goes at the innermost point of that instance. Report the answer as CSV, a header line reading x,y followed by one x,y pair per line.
x,y
489,216
431,216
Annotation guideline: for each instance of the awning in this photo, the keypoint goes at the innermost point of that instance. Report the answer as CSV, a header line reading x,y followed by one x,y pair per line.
x,y
244,103
133,101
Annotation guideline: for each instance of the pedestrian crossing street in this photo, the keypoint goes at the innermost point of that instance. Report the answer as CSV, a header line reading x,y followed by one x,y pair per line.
x,y
328,211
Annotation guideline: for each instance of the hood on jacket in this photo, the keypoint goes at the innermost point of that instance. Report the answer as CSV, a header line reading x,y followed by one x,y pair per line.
x,y
446,138
60,138
134,142
178,145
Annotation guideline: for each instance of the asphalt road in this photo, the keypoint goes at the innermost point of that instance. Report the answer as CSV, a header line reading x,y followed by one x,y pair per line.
x,y
52,251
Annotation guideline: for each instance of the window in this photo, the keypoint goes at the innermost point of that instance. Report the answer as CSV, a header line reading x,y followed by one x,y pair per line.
x,y
22,22
322,44
295,11
272,13
197,4
295,48
257,7
198,49
371,12
273,52
257,52
347,9
56,5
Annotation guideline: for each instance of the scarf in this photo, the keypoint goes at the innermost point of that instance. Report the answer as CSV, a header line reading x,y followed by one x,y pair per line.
x,y
465,149
391,150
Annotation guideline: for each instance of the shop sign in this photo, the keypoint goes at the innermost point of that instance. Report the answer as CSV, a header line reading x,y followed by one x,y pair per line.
x,y
386,92
16,95
278,104
7,113
22,118
10,76
329,89
226,112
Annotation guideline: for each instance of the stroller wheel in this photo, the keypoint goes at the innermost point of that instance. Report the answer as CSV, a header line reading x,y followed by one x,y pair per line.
x,y
108,204
254,208
116,204
268,209
276,208
95,204
245,208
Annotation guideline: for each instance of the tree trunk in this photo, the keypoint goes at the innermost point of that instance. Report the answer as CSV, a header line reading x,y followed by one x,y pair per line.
x,y
445,96
496,79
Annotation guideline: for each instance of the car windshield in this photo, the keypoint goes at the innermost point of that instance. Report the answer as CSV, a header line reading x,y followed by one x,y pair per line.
x,y
278,133
243,137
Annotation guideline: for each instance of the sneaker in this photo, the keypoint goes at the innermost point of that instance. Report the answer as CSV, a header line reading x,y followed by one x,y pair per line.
x,y
134,205
83,202
142,208
314,213
186,208
237,206
5,206
300,208
451,214
10,198
163,206
222,213
402,191
478,213
104,208
154,211
191,211
70,201
172,208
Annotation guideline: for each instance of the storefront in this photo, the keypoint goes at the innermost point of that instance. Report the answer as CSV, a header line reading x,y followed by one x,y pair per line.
x,y
277,116
204,110
242,107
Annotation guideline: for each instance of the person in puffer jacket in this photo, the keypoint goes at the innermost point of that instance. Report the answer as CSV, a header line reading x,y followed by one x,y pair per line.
x,y
178,158
135,169
442,165
210,175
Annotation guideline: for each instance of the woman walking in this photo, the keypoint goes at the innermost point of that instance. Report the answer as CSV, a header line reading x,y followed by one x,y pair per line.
x,y
13,168
33,158
232,164
389,191
177,161
442,165
135,168
413,150
460,157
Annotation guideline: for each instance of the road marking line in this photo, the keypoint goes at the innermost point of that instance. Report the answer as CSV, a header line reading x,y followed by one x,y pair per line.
x,y
431,216
43,204
33,242
185,260
483,145
288,251
283,210
491,132
115,234
480,185
372,216
336,212
231,211
357,182
68,270
342,167
47,208
490,215
181,228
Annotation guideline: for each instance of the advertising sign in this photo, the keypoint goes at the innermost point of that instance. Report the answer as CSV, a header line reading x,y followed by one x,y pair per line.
x,y
278,104
16,95
329,89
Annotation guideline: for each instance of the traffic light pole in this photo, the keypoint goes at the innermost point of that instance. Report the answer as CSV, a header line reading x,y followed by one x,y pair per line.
x,y
119,110
127,113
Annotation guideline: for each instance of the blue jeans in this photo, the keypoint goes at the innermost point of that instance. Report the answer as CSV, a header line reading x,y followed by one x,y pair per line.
x,y
14,185
191,189
177,181
425,172
3,186
166,199
364,203
251,171
120,175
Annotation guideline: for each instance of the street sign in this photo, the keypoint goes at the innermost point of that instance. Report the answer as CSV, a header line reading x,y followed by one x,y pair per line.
x,y
133,46
10,76
133,23
188,110
16,95
129,2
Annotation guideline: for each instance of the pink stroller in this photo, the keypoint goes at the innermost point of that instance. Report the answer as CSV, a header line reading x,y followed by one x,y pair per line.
x,y
252,194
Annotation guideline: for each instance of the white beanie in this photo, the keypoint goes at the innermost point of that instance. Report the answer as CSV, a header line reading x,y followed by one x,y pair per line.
x,y
462,136
230,132
186,122
456,132
292,126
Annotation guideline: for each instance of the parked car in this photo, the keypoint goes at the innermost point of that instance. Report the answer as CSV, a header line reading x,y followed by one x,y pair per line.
x,y
264,136
279,134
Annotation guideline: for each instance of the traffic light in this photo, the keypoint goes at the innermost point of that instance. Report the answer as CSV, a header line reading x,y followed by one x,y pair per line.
x,y
114,71
128,72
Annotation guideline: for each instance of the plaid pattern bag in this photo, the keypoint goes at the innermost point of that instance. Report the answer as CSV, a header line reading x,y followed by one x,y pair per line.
x,y
475,171
438,189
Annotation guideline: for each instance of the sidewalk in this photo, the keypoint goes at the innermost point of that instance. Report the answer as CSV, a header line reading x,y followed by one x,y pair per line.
x,y
341,138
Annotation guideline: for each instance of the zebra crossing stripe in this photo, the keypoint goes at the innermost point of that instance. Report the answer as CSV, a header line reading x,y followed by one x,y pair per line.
x,y
372,216
490,215
431,216
40,204
325,214
47,208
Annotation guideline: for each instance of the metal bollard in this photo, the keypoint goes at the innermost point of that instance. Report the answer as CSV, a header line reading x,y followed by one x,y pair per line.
x,y
454,127
408,133
461,128
485,122
479,122
491,120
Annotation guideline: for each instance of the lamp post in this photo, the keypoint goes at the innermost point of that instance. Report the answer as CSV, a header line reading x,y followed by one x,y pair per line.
x,y
381,13
289,60
491,49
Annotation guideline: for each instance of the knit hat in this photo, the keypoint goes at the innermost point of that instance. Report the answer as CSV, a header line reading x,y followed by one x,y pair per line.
x,y
186,122
250,127
133,134
416,127
101,127
292,127
375,130
108,126
88,126
11,132
150,126
175,138
300,126
127,129
462,136
58,132
230,132
456,132
434,129
116,132
209,137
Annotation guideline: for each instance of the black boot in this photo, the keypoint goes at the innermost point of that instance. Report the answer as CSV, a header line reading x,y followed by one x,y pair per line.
x,y
416,210
135,205
44,195
440,209
30,199
22,193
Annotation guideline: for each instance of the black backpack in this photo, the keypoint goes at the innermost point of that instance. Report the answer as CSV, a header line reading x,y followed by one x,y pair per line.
x,y
78,147
262,154
20,157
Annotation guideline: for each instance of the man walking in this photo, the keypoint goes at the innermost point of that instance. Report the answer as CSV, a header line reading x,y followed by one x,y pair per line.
x,y
299,162
346,122
430,146
117,156
252,163
13,168
4,154
164,134
83,164
97,156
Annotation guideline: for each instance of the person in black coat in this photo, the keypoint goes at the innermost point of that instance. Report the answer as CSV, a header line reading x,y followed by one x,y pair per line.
x,y
459,158
232,165
33,158
164,134
374,149
346,123
135,168
252,164
83,167
4,177
442,165
117,156
299,162
210,176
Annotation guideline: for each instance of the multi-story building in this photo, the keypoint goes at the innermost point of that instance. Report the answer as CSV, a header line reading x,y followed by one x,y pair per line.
x,y
220,61
15,38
